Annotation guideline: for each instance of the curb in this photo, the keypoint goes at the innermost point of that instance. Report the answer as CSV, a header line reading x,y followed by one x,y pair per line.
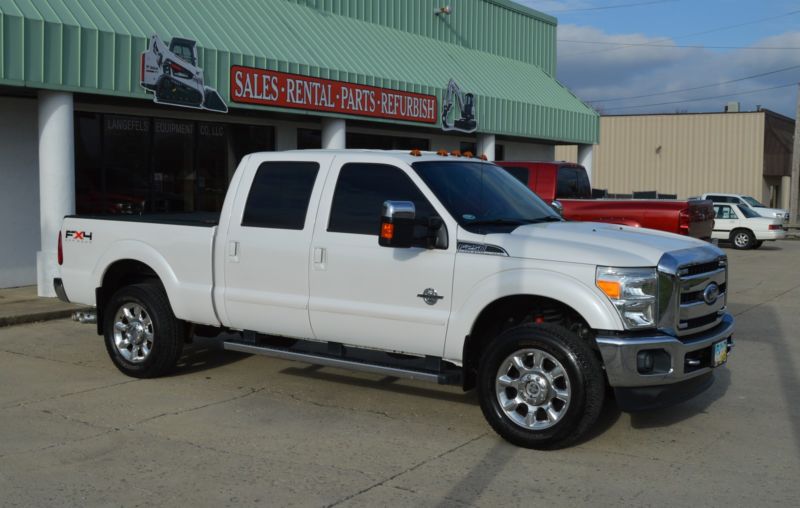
x,y
35,318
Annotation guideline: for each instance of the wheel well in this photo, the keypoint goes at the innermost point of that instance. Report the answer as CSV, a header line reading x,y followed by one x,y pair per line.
x,y
120,274
512,311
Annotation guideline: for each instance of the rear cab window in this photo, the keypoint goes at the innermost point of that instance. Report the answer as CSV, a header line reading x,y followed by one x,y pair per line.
x,y
279,195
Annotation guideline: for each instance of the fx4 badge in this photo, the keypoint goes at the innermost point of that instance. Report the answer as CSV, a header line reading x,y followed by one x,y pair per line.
x,y
430,296
78,236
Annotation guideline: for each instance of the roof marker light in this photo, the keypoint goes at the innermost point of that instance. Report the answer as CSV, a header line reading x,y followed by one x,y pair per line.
x,y
443,153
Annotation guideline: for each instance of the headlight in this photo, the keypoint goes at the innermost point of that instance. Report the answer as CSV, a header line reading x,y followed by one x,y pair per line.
x,y
633,292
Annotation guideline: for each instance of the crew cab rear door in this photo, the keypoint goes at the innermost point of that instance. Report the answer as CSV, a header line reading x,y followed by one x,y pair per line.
x,y
267,244
367,295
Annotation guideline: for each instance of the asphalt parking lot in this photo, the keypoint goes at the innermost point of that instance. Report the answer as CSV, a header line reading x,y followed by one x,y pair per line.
x,y
230,429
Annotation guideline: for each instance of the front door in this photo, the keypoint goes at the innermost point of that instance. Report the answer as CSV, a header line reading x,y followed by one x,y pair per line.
x,y
367,295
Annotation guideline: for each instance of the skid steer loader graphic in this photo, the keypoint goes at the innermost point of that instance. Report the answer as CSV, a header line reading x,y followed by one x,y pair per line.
x,y
466,107
172,75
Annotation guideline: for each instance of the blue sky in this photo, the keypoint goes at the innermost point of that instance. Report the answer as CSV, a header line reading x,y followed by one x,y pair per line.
x,y
604,71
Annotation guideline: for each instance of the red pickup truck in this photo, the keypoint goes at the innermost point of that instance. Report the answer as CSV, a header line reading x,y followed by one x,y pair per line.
x,y
569,184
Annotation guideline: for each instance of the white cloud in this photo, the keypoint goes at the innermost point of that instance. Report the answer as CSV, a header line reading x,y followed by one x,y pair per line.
x,y
595,71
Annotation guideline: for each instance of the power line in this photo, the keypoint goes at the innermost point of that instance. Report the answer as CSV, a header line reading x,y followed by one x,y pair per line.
x,y
702,98
694,34
677,46
617,6
736,80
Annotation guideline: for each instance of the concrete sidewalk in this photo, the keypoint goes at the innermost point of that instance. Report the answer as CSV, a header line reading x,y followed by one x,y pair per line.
x,y
22,305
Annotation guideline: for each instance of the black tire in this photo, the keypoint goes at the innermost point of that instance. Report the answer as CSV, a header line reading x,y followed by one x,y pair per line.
x,y
165,330
742,239
758,244
587,385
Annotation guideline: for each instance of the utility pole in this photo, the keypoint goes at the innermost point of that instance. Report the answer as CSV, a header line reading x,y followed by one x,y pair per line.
x,y
795,182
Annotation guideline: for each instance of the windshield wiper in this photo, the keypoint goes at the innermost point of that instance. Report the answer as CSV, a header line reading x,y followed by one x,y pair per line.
x,y
512,222
498,222
546,219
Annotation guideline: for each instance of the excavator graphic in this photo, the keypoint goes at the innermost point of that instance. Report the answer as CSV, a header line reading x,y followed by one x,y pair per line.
x,y
171,74
466,106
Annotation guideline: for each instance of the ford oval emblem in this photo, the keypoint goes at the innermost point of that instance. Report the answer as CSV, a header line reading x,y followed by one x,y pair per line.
x,y
711,293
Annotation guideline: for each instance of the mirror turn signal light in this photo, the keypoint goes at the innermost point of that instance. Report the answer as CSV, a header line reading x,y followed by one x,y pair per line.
x,y
387,230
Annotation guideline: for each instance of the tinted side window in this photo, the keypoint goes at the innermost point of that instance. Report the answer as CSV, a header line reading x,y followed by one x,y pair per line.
x,y
280,194
584,187
360,193
567,186
725,212
520,174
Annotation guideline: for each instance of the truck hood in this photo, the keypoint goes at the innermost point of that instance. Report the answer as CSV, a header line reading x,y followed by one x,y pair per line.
x,y
594,243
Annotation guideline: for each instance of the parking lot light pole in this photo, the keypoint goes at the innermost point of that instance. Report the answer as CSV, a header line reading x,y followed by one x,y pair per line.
x,y
795,182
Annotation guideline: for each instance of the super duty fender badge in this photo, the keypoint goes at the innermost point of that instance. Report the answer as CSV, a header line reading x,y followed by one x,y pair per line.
x,y
72,235
430,296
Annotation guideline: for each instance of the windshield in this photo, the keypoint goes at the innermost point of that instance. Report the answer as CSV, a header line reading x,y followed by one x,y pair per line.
x,y
482,197
752,202
747,212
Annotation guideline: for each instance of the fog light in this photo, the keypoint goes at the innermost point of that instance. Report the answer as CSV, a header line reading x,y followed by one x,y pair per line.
x,y
645,362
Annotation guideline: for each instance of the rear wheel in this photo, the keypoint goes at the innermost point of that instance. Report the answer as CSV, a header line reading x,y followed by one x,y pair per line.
x,y
540,386
142,335
742,239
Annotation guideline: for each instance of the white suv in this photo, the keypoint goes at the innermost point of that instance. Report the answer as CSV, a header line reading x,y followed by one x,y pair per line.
x,y
749,202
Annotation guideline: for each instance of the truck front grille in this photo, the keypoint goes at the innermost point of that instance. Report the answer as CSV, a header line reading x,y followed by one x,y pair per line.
x,y
695,283
692,292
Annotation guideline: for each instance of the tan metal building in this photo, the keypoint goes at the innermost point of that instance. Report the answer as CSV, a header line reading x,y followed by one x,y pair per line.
x,y
690,154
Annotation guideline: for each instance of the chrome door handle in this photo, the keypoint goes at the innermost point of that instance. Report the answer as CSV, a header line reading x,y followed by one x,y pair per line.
x,y
320,258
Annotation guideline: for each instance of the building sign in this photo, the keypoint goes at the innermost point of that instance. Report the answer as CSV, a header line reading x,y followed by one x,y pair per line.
x,y
464,103
271,88
171,74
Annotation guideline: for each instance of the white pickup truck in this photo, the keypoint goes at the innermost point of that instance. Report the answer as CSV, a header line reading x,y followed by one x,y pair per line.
x,y
417,265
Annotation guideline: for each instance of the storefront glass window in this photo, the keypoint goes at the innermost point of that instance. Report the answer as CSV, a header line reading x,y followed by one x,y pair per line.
x,y
133,164
212,166
173,166
126,152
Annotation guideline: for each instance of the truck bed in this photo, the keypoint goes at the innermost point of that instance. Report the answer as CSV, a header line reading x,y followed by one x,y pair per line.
x,y
178,247
200,219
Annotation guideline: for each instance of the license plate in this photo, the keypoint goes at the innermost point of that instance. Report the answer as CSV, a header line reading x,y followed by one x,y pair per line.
x,y
719,353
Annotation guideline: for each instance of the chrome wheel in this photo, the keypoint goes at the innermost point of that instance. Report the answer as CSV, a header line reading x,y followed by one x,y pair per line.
x,y
533,389
741,240
133,332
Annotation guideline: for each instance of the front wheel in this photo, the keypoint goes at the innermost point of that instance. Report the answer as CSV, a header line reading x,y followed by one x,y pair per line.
x,y
143,337
742,239
540,386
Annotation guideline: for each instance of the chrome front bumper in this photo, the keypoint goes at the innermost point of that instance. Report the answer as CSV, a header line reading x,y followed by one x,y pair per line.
x,y
688,358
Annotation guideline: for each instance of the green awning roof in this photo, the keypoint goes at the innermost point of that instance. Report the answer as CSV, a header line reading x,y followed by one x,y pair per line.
x,y
93,46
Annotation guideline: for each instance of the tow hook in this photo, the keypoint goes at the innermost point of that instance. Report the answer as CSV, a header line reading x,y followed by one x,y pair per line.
x,y
85,317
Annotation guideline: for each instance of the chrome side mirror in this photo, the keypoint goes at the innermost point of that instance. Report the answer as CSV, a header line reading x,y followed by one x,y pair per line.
x,y
397,224
557,206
